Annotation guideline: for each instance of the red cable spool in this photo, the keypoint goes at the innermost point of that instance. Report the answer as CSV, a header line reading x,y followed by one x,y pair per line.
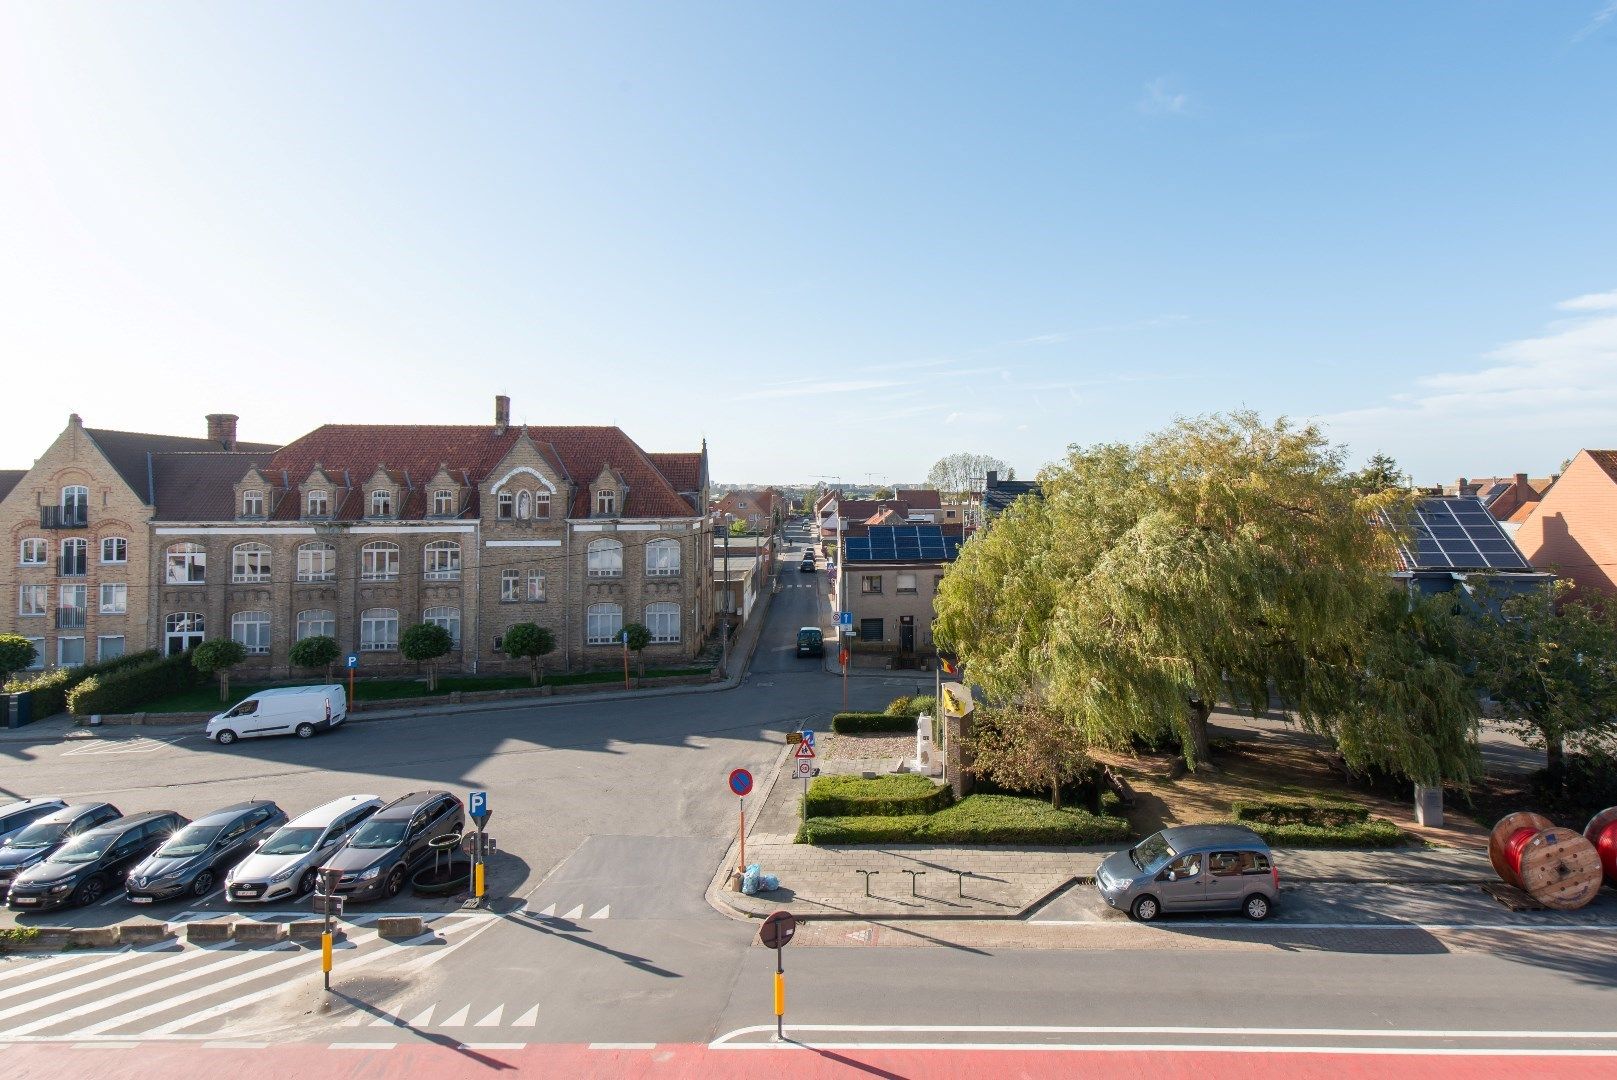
x,y
1602,833
1557,867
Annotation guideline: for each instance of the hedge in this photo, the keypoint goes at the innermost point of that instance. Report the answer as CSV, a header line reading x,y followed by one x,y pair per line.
x,y
885,796
1375,833
51,689
976,819
1321,813
862,723
912,705
127,689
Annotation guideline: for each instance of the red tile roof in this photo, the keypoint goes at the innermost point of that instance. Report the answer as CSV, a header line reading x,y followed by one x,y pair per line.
x,y
920,498
1606,459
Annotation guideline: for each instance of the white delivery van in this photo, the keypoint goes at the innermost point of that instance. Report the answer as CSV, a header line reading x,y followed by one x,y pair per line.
x,y
288,710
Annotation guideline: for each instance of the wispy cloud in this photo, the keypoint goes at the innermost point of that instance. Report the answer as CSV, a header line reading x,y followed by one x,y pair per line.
x,y
1595,301
812,387
1161,99
1600,19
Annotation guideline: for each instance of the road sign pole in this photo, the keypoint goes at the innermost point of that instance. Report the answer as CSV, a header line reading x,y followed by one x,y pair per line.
x,y
351,689
742,869
477,865
325,953
780,997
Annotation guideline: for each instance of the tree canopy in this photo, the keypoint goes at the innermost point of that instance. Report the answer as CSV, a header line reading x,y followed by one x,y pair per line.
x,y
217,657
320,650
531,642
427,643
955,474
16,653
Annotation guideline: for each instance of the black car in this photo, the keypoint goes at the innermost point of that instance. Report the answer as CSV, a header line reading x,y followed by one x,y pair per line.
x,y
379,855
35,843
807,565
83,869
197,856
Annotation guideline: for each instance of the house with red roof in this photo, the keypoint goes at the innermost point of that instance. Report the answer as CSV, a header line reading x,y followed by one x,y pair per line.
x,y
1572,530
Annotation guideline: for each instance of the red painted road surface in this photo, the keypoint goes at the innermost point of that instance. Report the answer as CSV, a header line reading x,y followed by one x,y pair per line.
x,y
178,1061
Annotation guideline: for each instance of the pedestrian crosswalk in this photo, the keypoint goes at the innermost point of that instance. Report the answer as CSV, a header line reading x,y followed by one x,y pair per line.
x,y
172,990
435,1018
561,911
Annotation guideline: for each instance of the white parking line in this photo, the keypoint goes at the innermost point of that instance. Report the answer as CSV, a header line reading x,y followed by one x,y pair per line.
x,y
22,976
52,999
726,1041
1276,926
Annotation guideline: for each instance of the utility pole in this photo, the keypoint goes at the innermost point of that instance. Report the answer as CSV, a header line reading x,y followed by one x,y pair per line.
x,y
724,622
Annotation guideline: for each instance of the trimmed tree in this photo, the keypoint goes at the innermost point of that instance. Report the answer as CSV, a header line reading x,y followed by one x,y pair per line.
x,y
639,638
738,527
217,657
531,642
314,652
16,653
1028,748
427,643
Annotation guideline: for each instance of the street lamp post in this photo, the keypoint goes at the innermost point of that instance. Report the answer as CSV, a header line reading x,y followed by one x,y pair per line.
x,y
724,620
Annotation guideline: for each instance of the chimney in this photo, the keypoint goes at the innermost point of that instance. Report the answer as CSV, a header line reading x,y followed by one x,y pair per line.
x,y
222,429
992,479
502,413
1521,478
1460,486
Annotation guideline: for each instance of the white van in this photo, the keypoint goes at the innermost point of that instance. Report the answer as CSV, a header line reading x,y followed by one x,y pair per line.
x,y
288,710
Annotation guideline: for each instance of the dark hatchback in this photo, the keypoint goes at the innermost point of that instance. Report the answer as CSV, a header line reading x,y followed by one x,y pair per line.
x,y
379,855
82,870
193,859
36,842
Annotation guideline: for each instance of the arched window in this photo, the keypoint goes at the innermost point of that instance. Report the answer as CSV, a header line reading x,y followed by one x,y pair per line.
x,y
316,622
182,630
662,558
441,560
249,563
541,505
605,558
381,503
35,552
507,505
75,505
524,506
185,564
378,629
443,503
252,630
603,624
317,561
379,561
75,558
446,617
663,622
252,503
318,503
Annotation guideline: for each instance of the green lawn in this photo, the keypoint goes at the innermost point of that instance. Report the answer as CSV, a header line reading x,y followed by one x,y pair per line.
x,y
206,698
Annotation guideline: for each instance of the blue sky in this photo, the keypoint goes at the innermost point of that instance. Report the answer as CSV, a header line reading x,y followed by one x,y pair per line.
x,y
834,239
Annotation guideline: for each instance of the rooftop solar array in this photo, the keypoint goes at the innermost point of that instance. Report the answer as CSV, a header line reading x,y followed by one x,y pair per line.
x,y
1459,534
902,543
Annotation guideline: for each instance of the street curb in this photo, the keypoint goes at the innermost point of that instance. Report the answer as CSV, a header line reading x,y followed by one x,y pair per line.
x,y
715,889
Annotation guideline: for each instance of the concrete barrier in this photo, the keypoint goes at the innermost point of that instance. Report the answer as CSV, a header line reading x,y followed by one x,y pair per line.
x,y
259,933
401,926
143,933
207,933
93,937
310,930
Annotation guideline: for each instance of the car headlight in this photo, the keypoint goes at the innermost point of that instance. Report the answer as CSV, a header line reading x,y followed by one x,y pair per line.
x,y
66,886
284,874
371,873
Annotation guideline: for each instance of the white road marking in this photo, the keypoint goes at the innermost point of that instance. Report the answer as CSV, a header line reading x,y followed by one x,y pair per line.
x,y
604,913
413,967
384,1021
1560,928
527,1019
493,1018
423,1018
109,901
38,1003
459,1019
45,965
725,1041
208,988
549,912
576,913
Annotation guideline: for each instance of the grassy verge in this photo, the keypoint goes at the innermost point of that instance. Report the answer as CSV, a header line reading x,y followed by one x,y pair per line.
x,y
18,935
884,796
1374,833
976,819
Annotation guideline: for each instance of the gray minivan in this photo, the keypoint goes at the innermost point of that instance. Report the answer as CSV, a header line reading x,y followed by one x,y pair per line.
x,y
1192,868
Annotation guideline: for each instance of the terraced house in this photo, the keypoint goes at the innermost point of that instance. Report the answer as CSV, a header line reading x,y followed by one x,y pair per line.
x,y
358,532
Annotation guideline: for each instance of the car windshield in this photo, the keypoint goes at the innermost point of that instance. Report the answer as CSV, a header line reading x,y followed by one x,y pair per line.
x,y
85,848
292,842
41,834
1151,853
379,834
191,840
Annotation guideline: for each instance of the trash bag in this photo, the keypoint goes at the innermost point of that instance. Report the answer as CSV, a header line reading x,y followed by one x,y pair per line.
x,y
749,880
768,883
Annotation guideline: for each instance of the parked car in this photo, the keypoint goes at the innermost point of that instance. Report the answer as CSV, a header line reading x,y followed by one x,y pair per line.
x,y
1192,868
35,843
286,710
810,641
807,565
197,856
378,857
286,864
83,869
17,816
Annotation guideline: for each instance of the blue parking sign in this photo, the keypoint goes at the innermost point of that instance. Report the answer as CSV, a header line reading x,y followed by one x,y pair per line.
x,y
477,807
353,659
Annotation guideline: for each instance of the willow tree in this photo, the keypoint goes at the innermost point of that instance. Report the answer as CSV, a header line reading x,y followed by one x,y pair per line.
x,y
1219,559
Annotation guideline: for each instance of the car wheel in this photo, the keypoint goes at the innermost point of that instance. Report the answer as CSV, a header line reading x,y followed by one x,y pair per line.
x,y
202,884
1146,908
225,737
307,882
1257,907
89,892
304,731
395,882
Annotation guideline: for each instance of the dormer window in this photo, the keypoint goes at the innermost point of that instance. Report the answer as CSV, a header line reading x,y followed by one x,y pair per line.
x,y
507,506
381,504
319,503
443,503
252,504
606,503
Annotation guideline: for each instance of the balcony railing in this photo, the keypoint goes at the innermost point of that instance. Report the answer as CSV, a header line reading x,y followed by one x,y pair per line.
x,y
69,618
64,517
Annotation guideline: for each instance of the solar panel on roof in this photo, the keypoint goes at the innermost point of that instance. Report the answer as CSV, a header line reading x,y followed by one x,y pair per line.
x,y
1458,534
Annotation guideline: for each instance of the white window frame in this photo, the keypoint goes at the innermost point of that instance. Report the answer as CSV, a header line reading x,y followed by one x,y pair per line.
x,y
906,590
185,564
39,654
80,558
251,630
72,598
379,630
118,604
120,550
505,506
604,558
536,587
252,503
658,618
446,617
440,561
382,503
510,586
662,557
75,494
606,503
379,561
541,505
101,646
870,584
250,563
603,624
39,593
61,650
320,497
38,545
443,503
309,626
328,561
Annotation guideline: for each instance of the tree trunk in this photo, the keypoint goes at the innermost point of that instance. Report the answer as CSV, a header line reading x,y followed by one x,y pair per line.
x,y
1555,762
224,685
1055,794
533,671
328,672
432,678
641,677
1199,750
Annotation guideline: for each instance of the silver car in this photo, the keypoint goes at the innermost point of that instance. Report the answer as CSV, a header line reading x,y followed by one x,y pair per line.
x,y
284,865
1192,868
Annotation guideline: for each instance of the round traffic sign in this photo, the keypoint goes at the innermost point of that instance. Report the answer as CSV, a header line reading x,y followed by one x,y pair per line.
x,y
777,930
741,781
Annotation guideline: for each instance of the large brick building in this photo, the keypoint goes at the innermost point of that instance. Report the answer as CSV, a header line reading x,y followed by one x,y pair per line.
x,y
358,532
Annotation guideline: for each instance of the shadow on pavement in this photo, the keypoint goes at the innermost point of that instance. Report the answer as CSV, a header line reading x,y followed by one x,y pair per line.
x,y
565,930
428,1036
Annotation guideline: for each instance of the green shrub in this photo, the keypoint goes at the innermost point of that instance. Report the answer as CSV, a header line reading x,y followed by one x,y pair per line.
x,y
1375,833
912,705
127,689
976,819
864,723
1320,813
885,796
51,688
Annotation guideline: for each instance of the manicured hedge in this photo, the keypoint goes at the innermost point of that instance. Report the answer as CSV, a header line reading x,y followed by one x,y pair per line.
x,y
1321,813
51,689
976,819
913,705
126,689
864,723
885,796
1375,833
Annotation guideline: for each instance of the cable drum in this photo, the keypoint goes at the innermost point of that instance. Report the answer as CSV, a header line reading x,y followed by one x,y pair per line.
x,y
1558,867
1602,833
